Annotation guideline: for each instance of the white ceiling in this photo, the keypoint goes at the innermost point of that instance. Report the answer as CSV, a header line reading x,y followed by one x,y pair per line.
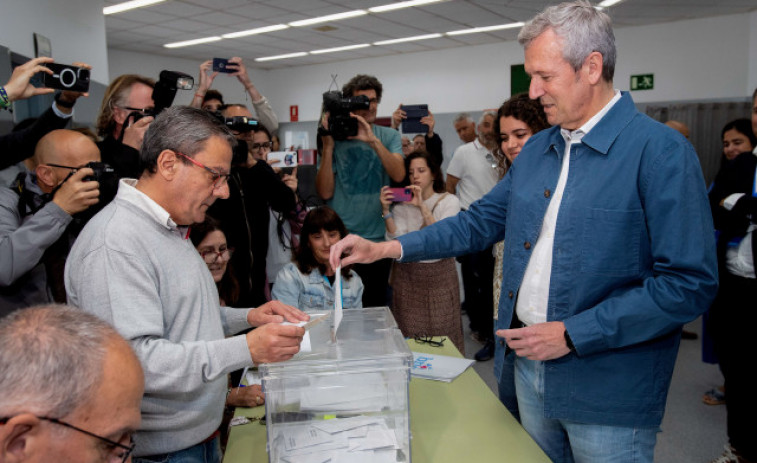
x,y
147,29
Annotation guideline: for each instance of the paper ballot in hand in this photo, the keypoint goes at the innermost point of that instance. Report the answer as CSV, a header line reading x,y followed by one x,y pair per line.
x,y
337,303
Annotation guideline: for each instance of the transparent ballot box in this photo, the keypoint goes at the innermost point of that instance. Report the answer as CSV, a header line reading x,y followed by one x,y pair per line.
x,y
343,401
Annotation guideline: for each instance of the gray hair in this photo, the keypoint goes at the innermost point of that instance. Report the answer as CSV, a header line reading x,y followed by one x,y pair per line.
x,y
463,117
183,129
584,30
488,113
51,359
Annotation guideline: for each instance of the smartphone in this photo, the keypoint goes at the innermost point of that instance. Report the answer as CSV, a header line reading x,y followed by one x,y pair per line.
x,y
414,113
401,195
221,65
287,160
66,77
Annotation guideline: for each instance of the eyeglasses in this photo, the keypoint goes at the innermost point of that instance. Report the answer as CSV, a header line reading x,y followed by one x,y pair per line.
x,y
211,256
430,341
219,179
268,145
144,111
113,444
63,167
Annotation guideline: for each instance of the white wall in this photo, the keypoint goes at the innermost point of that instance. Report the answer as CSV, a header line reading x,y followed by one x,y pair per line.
x,y
712,58
76,29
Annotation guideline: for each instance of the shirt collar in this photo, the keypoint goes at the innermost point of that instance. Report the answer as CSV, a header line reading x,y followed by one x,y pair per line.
x,y
128,192
575,136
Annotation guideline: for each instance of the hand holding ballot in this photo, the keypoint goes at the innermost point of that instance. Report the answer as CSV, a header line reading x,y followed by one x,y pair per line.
x,y
353,249
271,341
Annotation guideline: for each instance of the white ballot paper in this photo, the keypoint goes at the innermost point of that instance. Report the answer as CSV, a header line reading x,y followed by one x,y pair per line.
x,y
314,319
438,367
337,302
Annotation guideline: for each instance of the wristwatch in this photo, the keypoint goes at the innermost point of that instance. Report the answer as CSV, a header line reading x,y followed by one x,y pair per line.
x,y
568,341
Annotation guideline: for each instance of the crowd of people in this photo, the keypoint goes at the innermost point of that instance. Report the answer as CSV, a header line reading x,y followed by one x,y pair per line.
x,y
583,230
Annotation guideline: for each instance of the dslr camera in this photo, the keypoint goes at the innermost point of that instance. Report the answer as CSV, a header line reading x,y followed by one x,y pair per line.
x,y
101,169
341,125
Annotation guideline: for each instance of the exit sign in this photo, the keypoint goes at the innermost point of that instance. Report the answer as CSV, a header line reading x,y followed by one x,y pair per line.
x,y
642,82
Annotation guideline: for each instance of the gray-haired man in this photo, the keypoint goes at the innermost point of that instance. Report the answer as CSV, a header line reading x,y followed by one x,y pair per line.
x,y
71,388
134,266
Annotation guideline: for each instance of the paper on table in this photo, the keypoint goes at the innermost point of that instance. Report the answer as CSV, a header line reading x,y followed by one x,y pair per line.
x,y
337,302
438,367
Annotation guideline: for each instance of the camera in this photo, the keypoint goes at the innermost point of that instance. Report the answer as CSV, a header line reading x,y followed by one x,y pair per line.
x,y
101,170
66,77
341,125
241,124
221,65
164,93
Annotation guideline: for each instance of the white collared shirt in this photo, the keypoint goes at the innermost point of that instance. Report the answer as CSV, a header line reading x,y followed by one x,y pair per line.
x,y
533,295
127,190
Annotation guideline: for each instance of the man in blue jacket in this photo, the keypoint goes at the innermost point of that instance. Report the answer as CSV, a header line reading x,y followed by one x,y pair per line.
x,y
609,250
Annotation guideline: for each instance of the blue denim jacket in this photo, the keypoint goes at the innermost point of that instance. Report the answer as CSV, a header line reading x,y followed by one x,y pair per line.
x,y
633,259
312,293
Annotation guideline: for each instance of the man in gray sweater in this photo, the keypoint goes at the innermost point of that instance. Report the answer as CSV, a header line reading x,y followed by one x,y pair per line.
x,y
133,266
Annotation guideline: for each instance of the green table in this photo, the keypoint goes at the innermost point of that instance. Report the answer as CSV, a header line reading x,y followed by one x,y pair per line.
x,y
461,421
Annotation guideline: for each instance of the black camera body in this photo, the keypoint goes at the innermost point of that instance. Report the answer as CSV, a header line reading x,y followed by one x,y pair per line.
x,y
341,124
101,170
164,93
66,77
242,124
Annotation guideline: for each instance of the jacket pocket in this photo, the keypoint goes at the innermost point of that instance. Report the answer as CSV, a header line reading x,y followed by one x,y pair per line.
x,y
611,240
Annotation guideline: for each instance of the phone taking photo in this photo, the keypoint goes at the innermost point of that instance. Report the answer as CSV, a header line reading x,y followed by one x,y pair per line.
x,y
66,77
222,65
401,195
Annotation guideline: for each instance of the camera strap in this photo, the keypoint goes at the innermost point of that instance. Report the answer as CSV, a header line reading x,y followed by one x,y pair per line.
x,y
29,202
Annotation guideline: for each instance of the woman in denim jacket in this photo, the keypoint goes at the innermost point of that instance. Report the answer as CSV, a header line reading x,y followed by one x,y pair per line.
x,y
308,282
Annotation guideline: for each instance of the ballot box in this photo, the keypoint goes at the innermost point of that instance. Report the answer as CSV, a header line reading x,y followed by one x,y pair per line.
x,y
343,401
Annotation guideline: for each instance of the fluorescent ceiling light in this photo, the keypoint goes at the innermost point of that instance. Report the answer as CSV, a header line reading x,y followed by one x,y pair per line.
x,y
188,43
398,5
327,18
126,6
333,50
408,39
608,3
259,30
289,55
486,29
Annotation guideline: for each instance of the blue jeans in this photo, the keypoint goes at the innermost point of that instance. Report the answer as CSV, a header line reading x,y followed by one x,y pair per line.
x,y
569,441
208,452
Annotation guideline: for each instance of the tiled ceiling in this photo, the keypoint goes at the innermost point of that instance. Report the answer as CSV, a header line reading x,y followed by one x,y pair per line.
x,y
147,29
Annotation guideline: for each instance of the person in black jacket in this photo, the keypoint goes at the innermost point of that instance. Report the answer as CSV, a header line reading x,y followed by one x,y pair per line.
x,y
254,186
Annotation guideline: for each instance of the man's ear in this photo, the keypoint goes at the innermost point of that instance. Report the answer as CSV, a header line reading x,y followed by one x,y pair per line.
x,y
45,176
20,438
593,67
168,164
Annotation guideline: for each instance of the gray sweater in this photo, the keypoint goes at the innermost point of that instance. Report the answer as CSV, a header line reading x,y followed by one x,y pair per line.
x,y
133,267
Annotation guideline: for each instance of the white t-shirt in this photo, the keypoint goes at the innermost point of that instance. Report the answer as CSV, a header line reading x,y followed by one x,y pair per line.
x,y
477,174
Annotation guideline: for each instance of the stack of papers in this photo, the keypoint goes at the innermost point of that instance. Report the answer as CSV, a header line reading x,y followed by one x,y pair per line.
x,y
360,439
438,367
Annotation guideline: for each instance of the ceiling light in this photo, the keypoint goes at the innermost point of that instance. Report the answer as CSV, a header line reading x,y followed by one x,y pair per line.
x,y
398,5
289,55
259,30
327,18
486,29
333,50
126,6
608,3
188,43
408,39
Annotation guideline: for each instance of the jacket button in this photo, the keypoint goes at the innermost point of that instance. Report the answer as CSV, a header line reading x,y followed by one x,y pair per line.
x,y
547,193
510,294
502,342
527,245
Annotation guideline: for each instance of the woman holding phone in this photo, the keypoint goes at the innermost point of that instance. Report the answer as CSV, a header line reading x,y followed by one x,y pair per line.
x,y
426,294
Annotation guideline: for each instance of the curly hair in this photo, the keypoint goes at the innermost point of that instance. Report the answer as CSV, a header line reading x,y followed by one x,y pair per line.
x,y
523,108
363,82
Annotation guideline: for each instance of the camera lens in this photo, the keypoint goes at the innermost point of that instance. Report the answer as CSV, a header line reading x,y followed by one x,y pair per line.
x,y
67,77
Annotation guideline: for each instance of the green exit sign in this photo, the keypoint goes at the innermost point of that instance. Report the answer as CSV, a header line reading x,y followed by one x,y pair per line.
x,y
642,82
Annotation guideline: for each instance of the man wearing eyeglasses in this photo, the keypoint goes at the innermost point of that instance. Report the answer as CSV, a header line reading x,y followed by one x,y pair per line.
x,y
125,115
37,217
83,407
254,187
134,265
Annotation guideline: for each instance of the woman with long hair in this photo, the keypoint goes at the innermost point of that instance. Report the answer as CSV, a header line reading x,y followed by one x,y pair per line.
x,y
426,294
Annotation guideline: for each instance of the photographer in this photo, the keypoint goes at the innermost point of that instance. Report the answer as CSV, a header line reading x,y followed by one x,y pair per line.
x,y
429,142
121,134
254,187
36,217
18,146
263,109
351,174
